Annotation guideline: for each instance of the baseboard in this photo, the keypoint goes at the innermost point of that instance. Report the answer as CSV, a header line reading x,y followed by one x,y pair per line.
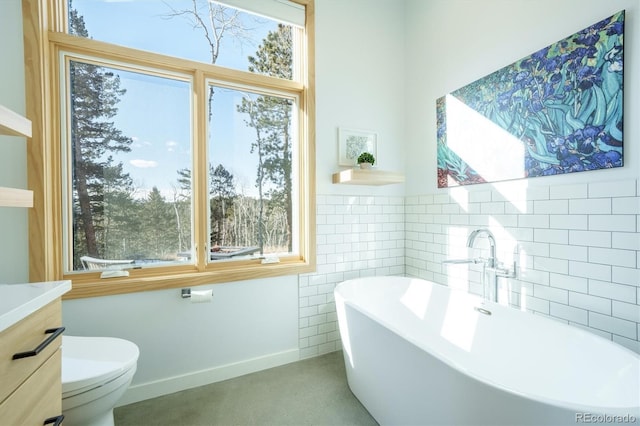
x,y
140,392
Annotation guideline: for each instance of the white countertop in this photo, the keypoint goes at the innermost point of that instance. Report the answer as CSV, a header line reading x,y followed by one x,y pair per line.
x,y
18,301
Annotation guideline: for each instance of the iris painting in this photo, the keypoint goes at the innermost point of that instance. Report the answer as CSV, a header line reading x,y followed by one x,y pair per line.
x,y
556,111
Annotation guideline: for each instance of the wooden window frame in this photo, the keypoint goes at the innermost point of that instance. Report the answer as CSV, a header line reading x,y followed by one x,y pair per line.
x,y
44,24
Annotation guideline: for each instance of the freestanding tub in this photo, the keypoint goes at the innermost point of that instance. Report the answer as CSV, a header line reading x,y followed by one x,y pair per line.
x,y
419,353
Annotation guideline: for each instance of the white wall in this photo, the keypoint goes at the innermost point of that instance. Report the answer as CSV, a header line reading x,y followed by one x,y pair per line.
x,y
14,256
579,234
248,326
359,65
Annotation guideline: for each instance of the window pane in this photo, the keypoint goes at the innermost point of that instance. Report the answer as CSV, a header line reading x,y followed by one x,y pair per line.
x,y
253,203
199,30
129,153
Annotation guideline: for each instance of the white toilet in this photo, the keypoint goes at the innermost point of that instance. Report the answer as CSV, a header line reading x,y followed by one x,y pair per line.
x,y
96,372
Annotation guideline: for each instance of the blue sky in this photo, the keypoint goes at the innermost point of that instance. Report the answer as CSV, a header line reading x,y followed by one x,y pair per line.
x,y
155,112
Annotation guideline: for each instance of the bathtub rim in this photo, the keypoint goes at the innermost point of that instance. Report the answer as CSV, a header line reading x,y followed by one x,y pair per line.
x,y
633,411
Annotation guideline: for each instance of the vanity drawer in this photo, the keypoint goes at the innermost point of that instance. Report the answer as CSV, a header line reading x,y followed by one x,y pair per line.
x,y
25,336
38,398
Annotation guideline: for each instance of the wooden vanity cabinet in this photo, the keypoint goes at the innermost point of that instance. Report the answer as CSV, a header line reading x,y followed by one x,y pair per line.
x,y
31,387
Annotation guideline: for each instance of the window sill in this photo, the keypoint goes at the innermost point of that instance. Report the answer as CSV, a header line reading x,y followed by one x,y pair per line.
x,y
91,285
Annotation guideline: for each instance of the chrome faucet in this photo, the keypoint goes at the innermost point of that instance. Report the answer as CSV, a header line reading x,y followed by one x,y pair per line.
x,y
491,268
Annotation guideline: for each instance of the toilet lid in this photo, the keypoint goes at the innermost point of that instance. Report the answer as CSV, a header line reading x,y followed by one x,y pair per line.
x,y
91,361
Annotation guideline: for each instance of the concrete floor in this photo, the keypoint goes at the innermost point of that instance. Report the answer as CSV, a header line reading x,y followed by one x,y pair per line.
x,y
308,392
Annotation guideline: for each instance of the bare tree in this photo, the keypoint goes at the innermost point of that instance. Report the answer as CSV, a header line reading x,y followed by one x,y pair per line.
x,y
215,21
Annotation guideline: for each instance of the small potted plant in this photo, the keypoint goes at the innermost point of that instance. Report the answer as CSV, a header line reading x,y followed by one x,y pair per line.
x,y
366,160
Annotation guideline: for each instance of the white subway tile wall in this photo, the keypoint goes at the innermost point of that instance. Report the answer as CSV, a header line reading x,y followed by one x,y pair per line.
x,y
579,249
357,236
578,252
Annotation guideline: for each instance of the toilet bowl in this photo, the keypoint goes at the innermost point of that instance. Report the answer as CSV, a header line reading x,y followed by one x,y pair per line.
x,y
96,372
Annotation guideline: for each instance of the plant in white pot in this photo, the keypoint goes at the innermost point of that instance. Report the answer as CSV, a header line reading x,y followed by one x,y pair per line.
x,y
366,160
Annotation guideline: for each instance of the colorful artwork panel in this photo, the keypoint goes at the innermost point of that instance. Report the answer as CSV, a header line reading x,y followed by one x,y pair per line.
x,y
557,111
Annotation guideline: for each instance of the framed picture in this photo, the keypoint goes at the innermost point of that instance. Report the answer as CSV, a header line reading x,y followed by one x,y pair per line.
x,y
352,143
557,111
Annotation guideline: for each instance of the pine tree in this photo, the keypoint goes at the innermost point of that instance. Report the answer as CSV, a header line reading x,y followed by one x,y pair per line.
x,y
222,193
95,92
271,117
158,226
120,214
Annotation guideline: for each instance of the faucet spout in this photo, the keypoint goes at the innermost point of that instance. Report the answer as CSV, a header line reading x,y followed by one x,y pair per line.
x,y
491,262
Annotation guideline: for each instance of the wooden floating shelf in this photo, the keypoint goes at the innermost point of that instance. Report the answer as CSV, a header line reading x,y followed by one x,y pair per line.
x,y
13,124
12,197
367,177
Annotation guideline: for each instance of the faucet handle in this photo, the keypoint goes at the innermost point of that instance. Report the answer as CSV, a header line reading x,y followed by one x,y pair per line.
x,y
503,272
462,261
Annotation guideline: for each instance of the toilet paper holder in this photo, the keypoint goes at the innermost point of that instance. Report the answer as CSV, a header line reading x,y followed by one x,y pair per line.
x,y
198,296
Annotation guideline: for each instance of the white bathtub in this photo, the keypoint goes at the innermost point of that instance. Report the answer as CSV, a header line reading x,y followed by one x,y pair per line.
x,y
419,353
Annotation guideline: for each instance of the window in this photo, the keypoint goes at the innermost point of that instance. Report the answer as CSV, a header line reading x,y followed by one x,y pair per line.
x,y
116,204
252,201
179,148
